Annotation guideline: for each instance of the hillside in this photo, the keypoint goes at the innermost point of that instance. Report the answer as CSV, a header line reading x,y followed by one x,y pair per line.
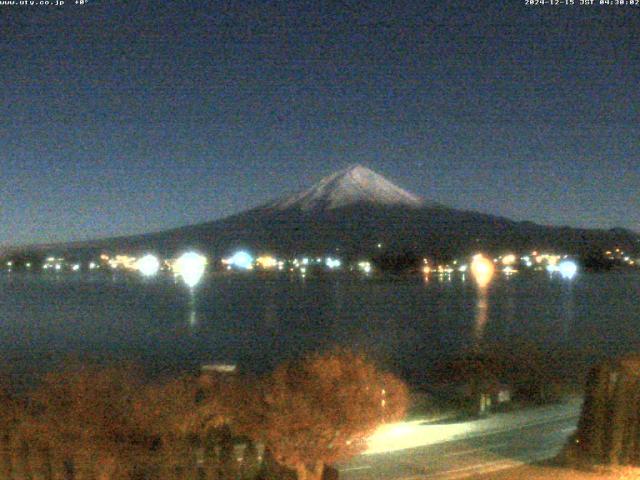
x,y
353,211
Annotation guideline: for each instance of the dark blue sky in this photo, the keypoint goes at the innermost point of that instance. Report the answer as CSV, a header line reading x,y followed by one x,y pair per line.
x,y
126,117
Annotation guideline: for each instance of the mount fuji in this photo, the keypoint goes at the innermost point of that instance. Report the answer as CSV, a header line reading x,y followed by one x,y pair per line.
x,y
356,185
356,212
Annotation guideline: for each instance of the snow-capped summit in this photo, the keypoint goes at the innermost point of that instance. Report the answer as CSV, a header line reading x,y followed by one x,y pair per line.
x,y
355,185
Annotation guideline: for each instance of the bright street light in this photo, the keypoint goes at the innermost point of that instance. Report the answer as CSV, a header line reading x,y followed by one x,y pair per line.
x,y
148,265
482,270
190,266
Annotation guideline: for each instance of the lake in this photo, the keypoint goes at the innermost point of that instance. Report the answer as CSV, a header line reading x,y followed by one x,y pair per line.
x,y
257,322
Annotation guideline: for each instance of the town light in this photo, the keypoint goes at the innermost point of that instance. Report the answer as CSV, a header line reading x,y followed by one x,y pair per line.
x,y
333,263
365,267
568,269
242,260
148,265
509,259
190,266
267,261
482,270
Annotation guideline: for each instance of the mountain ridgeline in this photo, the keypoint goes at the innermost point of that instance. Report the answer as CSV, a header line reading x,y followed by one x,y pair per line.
x,y
349,214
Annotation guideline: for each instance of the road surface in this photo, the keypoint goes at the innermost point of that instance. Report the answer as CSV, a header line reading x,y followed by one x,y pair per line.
x,y
415,450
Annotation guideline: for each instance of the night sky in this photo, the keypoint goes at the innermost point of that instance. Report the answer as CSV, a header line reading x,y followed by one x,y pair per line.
x,y
123,117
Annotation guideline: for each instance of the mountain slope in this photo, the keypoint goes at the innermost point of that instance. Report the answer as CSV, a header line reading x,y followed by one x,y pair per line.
x,y
350,213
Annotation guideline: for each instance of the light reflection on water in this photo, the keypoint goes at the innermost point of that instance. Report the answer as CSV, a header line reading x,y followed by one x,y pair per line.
x,y
257,322
568,308
192,309
482,313
510,305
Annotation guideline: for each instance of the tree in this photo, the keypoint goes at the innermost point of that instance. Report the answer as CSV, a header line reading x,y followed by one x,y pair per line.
x,y
609,427
404,262
321,409
79,421
11,408
166,413
224,399
596,260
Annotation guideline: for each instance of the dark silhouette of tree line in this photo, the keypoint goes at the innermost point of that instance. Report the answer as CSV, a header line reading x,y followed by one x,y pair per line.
x,y
608,431
105,423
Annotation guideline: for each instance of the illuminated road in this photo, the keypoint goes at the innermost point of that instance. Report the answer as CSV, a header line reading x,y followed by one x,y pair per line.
x,y
413,451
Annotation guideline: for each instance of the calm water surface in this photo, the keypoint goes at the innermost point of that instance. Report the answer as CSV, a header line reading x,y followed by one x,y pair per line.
x,y
257,322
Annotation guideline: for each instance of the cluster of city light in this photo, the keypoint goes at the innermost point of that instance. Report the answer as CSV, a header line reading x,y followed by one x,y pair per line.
x,y
332,263
123,262
619,255
58,265
300,262
480,267
548,259
54,263
444,270
567,269
365,267
242,260
267,262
